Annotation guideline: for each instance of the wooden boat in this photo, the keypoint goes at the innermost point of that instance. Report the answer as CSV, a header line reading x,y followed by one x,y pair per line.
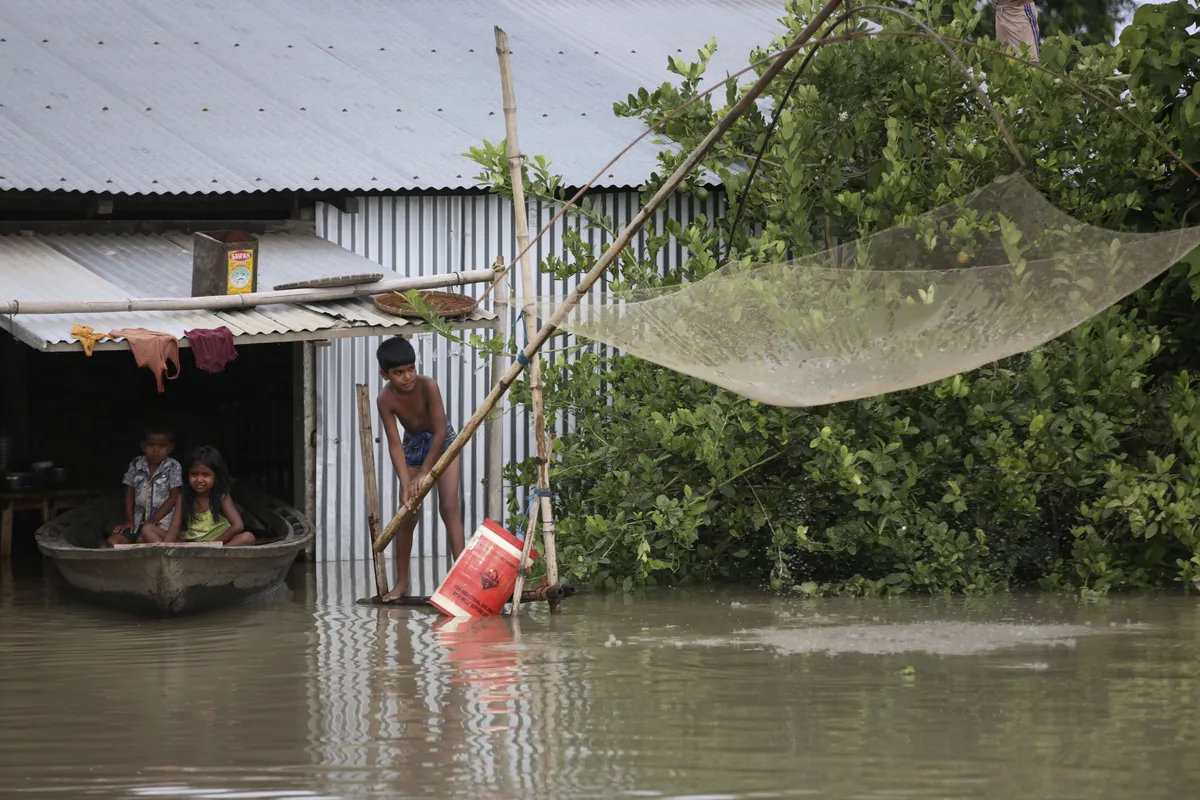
x,y
171,579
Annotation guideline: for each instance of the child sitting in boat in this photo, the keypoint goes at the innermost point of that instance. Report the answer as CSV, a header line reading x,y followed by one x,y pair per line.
x,y
152,484
205,511
416,402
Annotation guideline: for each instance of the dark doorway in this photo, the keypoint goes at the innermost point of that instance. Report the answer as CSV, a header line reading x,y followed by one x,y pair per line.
x,y
85,415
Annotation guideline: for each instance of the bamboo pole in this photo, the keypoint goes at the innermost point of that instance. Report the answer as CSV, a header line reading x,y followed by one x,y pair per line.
x,y
366,441
547,518
222,302
549,538
602,264
528,292
494,429
518,593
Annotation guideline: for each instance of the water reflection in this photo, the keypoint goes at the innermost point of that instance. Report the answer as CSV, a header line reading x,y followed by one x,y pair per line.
x,y
670,694
461,702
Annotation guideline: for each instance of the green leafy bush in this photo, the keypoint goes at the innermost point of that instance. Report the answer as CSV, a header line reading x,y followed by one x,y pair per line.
x,y
1076,466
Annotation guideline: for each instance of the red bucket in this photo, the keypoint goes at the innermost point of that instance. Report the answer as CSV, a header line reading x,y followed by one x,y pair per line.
x,y
482,579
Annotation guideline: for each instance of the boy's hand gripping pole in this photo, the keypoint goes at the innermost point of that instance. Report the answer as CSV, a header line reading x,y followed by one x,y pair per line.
x,y
621,242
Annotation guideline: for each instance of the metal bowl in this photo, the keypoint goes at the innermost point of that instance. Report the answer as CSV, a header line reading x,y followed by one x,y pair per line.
x,y
15,481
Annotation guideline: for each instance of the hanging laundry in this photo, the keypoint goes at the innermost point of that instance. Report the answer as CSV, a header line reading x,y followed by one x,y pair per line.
x,y
87,337
213,348
152,349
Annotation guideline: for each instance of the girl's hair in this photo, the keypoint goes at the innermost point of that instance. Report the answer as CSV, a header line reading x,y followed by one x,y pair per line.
x,y
222,485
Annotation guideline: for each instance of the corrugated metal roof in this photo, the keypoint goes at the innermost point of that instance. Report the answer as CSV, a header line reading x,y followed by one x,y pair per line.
x,y
176,96
116,267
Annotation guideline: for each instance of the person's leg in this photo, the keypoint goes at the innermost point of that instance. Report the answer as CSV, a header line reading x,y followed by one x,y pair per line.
x,y
402,548
151,533
450,510
243,539
1017,25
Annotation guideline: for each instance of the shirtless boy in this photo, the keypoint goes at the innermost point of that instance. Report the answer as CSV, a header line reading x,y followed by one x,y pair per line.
x,y
415,401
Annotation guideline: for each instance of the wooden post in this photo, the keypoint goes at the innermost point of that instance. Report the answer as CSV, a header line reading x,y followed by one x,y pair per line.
x,y
602,264
366,442
304,438
494,428
528,293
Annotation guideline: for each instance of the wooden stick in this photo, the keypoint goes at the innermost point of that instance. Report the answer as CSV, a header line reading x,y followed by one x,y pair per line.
x,y
602,264
123,545
555,594
530,527
220,302
366,442
494,429
549,539
528,292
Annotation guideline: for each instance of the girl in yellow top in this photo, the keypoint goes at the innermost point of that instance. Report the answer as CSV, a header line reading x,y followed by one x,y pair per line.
x,y
205,511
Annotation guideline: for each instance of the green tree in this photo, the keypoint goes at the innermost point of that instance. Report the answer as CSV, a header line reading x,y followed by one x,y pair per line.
x,y
1089,21
1076,465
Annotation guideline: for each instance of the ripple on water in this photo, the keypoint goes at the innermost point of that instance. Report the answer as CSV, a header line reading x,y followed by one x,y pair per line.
x,y
934,638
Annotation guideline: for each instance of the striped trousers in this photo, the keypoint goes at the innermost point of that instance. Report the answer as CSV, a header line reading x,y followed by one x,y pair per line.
x,y
1017,24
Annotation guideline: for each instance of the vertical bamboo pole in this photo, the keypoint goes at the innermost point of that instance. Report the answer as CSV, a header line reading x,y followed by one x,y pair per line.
x,y
366,442
560,314
528,291
549,540
494,427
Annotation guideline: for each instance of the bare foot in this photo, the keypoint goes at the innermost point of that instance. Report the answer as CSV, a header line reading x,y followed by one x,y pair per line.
x,y
401,590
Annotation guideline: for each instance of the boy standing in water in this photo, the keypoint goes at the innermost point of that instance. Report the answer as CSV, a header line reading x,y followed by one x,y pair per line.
x,y
415,401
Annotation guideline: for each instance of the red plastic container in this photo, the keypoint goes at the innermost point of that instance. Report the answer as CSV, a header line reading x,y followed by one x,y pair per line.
x,y
482,579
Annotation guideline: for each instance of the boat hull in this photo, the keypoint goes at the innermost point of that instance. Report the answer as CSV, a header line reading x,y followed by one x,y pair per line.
x,y
173,580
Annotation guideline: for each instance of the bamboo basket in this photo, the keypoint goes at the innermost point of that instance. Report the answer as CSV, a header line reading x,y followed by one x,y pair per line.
x,y
447,305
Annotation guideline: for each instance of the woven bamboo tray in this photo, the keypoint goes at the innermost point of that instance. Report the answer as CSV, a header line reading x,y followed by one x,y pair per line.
x,y
447,305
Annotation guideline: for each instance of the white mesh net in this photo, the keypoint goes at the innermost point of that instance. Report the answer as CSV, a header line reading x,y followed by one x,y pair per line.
x,y
992,275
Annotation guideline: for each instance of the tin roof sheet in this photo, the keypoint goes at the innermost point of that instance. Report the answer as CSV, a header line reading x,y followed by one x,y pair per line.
x,y
175,96
116,267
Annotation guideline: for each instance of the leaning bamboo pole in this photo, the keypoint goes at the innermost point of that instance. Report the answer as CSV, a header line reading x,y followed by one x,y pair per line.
x,y
223,302
528,292
601,266
366,442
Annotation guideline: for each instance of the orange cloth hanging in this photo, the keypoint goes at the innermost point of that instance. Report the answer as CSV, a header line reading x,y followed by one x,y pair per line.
x,y
86,337
152,349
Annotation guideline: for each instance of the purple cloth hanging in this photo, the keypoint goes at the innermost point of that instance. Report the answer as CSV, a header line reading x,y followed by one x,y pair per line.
x,y
213,349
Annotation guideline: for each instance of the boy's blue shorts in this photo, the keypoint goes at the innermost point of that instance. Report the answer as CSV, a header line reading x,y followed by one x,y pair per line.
x,y
416,447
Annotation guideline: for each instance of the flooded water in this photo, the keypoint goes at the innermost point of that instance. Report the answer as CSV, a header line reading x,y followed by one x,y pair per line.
x,y
672,694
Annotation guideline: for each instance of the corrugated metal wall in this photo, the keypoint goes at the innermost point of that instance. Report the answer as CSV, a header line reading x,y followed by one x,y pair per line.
x,y
427,235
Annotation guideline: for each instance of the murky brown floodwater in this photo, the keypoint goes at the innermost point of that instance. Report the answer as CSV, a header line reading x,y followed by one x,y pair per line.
x,y
671,694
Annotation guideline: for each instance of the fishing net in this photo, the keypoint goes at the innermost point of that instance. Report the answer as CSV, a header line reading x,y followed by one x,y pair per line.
x,y
978,279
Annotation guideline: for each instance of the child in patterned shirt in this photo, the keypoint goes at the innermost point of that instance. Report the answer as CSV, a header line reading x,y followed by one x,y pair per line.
x,y
152,485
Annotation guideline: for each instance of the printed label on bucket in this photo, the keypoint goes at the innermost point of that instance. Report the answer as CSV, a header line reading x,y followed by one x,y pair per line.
x,y
241,272
482,579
